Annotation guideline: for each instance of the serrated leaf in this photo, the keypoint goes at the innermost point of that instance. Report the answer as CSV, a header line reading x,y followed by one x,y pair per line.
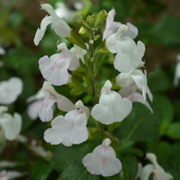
x,y
129,166
141,125
40,170
76,171
64,154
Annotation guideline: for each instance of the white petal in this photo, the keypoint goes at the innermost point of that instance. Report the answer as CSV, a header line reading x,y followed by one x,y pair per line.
x,y
46,111
2,51
110,24
111,108
40,32
133,31
62,29
39,95
3,109
50,136
102,161
11,125
139,98
10,90
33,109
124,79
146,171
111,43
74,61
54,69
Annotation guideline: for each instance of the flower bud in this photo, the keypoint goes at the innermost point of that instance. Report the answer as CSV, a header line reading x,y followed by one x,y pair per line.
x,y
100,18
84,31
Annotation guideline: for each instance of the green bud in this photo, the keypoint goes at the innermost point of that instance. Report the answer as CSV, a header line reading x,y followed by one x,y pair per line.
x,y
100,18
85,32
91,19
92,59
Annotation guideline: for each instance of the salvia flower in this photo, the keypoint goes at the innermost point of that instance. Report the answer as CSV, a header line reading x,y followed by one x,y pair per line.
x,y
102,161
10,126
55,68
112,27
46,98
157,171
129,54
62,29
69,129
112,107
177,71
10,90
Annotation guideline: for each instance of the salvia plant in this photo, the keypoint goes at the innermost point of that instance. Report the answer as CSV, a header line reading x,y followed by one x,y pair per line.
x,y
78,68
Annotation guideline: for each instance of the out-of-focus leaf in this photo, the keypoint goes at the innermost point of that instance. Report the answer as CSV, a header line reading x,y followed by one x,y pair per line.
x,y
40,170
129,166
76,171
158,81
140,125
166,31
174,130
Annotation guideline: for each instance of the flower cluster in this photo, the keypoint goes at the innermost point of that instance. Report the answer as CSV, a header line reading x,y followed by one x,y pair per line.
x,y
10,126
109,105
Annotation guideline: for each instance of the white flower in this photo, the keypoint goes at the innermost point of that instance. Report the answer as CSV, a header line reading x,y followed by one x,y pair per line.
x,y
111,107
130,93
70,129
135,76
102,161
129,54
2,51
112,27
55,68
10,90
7,175
47,97
177,71
62,29
157,171
10,125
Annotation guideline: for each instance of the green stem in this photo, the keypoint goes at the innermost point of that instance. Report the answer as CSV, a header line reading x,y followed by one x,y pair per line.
x,y
93,94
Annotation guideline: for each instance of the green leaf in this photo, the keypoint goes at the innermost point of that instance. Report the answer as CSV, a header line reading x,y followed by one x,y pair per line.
x,y
64,154
134,151
114,125
174,130
40,170
166,31
129,166
76,84
102,49
82,70
158,81
75,39
141,124
76,171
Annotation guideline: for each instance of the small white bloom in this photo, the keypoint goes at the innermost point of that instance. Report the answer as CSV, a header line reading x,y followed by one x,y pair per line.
x,y
112,27
70,129
11,125
111,107
47,97
102,161
2,51
8,175
62,29
129,54
130,93
157,171
135,76
55,68
177,71
10,90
